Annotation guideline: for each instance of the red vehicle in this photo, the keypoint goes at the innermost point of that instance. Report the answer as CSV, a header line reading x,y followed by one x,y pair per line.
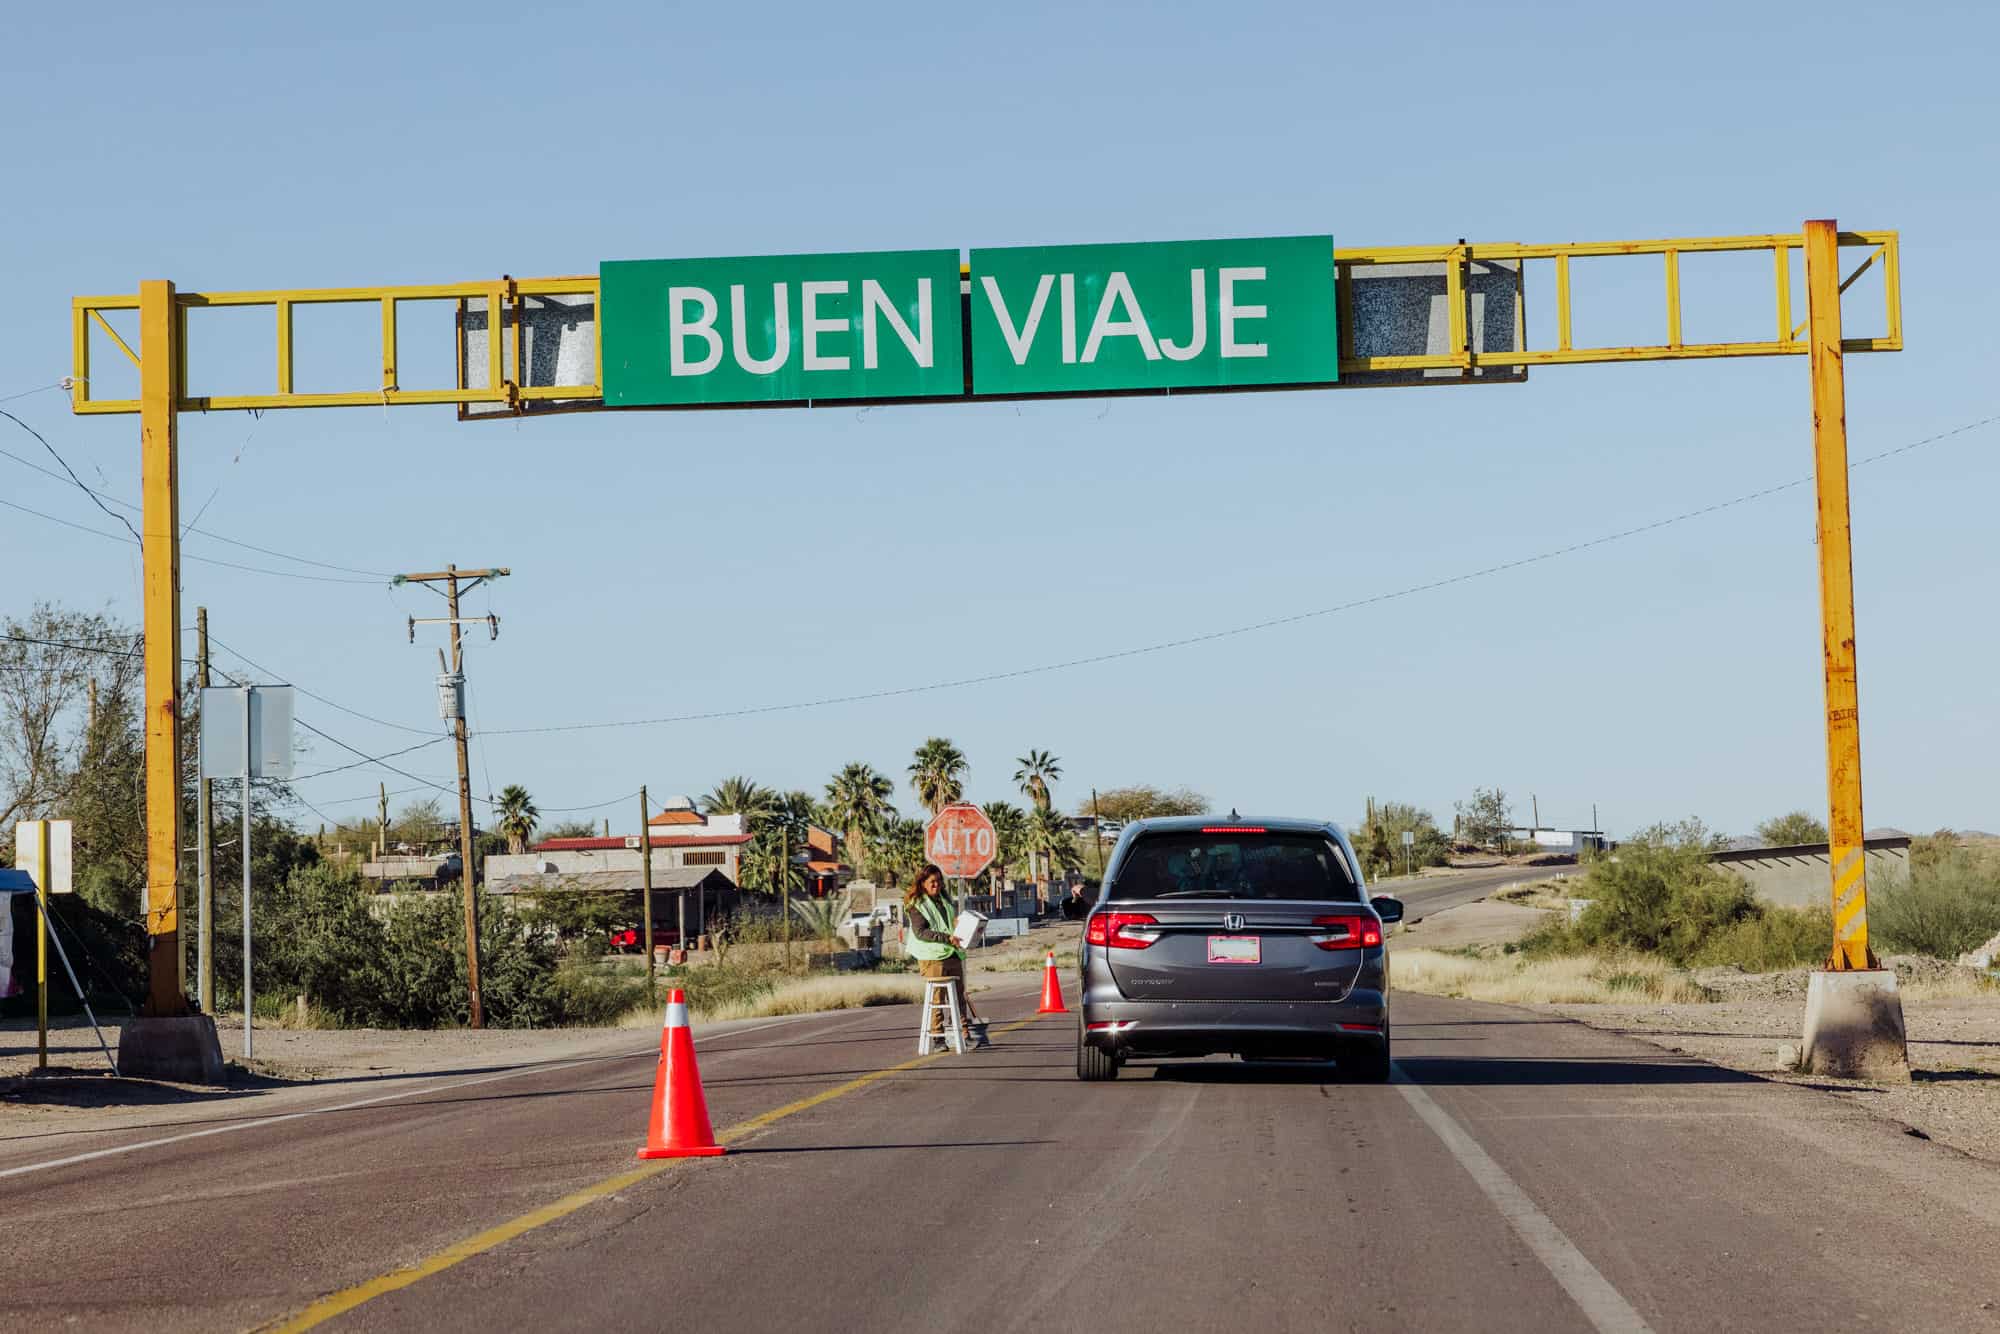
x,y
626,941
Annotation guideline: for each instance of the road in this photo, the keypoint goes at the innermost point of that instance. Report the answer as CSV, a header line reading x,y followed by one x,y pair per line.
x,y
1526,1174
1434,893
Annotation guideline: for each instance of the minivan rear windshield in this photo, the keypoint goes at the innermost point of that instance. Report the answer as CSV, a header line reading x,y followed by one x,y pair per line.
x,y
1196,865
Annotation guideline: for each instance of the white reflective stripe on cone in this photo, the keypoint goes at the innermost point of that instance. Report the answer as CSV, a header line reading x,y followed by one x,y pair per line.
x,y
677,1014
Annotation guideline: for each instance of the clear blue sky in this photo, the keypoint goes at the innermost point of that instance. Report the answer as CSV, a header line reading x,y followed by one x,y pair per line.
x,y
679,563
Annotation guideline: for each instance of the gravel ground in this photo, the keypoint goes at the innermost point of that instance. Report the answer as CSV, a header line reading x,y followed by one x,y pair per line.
x,y
1954,1093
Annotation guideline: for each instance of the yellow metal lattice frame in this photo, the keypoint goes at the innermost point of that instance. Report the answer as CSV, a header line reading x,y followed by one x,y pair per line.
x,y
504,354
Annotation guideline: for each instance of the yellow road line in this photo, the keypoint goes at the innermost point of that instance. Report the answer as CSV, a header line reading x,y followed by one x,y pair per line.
x,y
338,1303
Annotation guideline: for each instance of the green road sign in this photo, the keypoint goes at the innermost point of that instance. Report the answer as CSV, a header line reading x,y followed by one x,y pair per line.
x,y
1160,315
779,328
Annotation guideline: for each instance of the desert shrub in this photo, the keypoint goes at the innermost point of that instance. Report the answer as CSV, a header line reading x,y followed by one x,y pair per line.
x,y
1948,903
1773,940
595,995
1659,896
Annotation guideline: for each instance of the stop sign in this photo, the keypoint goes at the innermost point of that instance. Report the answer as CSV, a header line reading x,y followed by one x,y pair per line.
x,y
960,840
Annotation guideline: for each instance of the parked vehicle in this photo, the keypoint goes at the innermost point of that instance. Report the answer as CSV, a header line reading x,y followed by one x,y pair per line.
x,y
1244,936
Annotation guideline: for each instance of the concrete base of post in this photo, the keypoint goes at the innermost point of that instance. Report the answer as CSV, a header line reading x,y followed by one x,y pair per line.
x,y
1854,1026
182,1048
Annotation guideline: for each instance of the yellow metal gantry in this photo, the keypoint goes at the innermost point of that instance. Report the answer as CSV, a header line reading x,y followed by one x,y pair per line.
x,y
163,394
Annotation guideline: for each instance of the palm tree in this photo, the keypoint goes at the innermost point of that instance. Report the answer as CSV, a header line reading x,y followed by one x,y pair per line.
x,y
737,795
937,774
1038,770
1010,830
1049,834
857,802
760,867
517,817
898,851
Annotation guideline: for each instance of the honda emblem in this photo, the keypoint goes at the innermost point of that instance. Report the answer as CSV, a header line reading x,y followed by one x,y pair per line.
x,y
1232,921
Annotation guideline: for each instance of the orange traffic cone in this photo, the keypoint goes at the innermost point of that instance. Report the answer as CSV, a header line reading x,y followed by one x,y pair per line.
x,y
678,1126
1051,990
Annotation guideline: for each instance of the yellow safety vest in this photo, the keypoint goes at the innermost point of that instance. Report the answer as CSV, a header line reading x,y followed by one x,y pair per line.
x,y
936,914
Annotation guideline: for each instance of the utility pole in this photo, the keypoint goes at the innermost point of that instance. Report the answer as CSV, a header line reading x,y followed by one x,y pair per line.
x,y
451,577
646,885
1535,803
204,798
381,820
785,885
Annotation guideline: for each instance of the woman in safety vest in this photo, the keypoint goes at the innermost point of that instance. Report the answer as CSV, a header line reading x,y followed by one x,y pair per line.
x,y
929,915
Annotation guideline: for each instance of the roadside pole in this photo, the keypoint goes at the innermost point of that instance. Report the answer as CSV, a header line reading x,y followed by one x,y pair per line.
x,y
785,887
1854,1015
248,751
205,845
42,946
646,887
450,577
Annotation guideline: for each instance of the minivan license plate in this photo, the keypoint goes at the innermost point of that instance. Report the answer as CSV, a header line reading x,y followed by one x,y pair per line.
x,y
1235,949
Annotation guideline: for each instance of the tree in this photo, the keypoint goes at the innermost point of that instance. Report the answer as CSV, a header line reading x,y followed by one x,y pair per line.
x,y
1791,829
568,829
737,795
1010,834
1391,820
857,804
897,852
1049,834
517,817
48,663
764,861
1144,801
421,823
1485,818
937,774
1038,769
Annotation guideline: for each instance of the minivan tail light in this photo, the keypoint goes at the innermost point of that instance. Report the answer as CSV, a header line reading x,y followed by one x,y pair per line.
x,y
1348,931
1109,929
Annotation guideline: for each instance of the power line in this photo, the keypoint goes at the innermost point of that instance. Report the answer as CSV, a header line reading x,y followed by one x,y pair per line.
x,y
372,759
38,389
190,527
94,497
1253,627
205,560
380,722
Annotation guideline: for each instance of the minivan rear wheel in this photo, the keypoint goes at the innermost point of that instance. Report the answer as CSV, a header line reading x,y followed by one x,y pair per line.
x,y
1367,1062
1092,1061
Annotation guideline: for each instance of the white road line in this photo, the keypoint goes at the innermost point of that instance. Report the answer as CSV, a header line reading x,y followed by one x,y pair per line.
x,y
1601,1304
233,1127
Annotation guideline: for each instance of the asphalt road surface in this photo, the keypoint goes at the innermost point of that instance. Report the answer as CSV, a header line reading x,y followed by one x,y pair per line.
x,y
1526,1173
1432,894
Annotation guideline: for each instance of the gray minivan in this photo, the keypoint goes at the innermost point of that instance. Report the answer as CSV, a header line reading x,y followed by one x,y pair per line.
x,y
1244,936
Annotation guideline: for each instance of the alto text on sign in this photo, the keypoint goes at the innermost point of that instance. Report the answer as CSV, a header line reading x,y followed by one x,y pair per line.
x,y
781,328
1154,315
960,839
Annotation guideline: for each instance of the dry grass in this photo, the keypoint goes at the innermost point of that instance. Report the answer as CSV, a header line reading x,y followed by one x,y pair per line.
x,y
1032,961
1959,984
806,995
1569,979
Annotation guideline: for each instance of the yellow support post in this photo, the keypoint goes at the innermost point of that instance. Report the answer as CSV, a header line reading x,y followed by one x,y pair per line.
x,y
1836,595
159,462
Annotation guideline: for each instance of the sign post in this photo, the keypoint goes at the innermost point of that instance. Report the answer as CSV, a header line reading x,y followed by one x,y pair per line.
x,y
260,747
1409,838
42,849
